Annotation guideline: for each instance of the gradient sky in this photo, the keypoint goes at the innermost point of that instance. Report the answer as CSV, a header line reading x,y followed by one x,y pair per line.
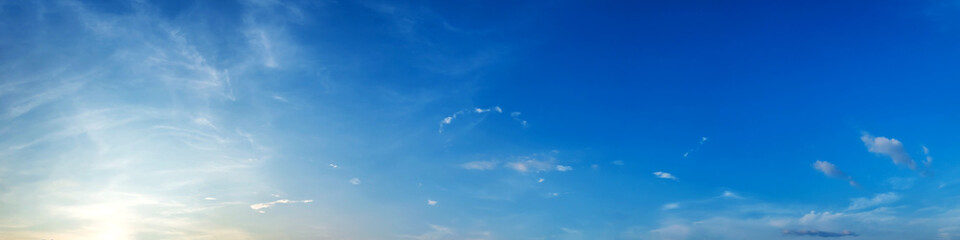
x,y
269,119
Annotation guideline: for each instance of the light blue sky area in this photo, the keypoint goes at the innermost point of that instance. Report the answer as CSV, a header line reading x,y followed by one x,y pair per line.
x,y
424,120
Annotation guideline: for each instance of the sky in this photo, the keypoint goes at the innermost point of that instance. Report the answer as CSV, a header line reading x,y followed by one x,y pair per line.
x,y
366,119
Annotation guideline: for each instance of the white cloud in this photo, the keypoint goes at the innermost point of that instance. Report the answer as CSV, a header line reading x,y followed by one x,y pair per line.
x,y
617,162
832,171
688,152
671,232
333,165
729,194
516,116
259,206
209,198
926,153
431,202
537,164
665,175
449,119
355,181
540,180
479,165
436,233
877,200
890,147
669,206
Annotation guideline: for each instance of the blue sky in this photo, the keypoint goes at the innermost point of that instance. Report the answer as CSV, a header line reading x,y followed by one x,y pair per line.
x,y
265,119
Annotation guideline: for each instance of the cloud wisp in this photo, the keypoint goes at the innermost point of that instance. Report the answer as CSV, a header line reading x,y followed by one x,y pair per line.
x,y
831,170
259,207
815,233
697,148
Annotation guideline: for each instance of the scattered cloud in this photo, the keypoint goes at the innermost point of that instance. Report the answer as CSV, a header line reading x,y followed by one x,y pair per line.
x,y
832,171
890,147
928,159
495,109
816,233
665,175
688,152
537,163
260,206
333,165
479,165
516,116
355,181
431,202
877,200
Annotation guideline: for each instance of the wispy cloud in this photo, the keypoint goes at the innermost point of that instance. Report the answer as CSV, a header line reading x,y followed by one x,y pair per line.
x,y
877,200
665,175
260,206
431,202
479,165
495,109
688,152
816,233
832,171
355,181
928,159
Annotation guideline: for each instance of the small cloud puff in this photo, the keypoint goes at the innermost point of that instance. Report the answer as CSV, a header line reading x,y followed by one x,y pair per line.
x,y
355,181
729,194
431,202
665,175
563,168
669,206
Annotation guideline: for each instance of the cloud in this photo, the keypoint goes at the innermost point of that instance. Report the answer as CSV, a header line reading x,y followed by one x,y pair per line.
x,y
355,181
333,165
669,206
877,200
540,180
665,175
431,202
676,231
729,194
516,116
928,159
449,119
537,164
209,198
436,233
890,147
617,162
259,206
816,233
688,152
832,171
479,165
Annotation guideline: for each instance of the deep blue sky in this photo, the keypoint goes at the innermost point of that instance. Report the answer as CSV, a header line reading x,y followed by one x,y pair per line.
x,y
267,119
